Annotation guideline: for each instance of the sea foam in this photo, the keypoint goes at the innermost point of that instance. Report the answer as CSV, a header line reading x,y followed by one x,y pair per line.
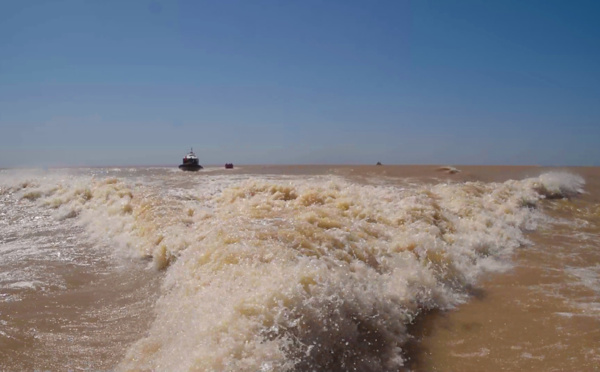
x,y
286,273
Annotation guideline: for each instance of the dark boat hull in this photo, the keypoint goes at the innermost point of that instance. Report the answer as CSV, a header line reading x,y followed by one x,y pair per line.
x,y
190,167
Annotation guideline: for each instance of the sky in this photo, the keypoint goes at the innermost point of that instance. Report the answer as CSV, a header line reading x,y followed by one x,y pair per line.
x,y
92,83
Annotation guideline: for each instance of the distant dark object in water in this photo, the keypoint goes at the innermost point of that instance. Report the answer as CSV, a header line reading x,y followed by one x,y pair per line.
x,y
378,163
228,165
190,162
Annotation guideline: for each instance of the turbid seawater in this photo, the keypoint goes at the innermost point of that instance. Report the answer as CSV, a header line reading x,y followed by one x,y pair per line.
x,y
300,268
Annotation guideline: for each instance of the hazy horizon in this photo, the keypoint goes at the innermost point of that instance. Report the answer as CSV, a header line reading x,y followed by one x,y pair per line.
x,y
279,165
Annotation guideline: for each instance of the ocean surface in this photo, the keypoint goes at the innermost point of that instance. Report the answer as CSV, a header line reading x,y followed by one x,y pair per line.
x,y
300,268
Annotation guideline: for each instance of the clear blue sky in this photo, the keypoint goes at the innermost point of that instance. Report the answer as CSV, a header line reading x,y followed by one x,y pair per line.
x,y
262,82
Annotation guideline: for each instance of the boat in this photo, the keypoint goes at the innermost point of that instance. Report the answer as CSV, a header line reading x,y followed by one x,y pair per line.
x,y
190,162
228,165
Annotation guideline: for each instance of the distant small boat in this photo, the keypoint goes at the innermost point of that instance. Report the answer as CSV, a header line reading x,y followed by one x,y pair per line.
x,y
228,165
190,162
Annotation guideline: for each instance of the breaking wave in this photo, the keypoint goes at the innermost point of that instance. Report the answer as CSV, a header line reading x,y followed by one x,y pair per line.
x,y
292,274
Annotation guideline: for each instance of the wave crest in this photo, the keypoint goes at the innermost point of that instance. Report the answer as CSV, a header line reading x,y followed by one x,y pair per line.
x,y
556,185
292,274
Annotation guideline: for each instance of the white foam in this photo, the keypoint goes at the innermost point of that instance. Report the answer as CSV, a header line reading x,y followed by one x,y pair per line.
x,y
566,315
33,285
476,354
282,273
558,184
586,276
531,356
